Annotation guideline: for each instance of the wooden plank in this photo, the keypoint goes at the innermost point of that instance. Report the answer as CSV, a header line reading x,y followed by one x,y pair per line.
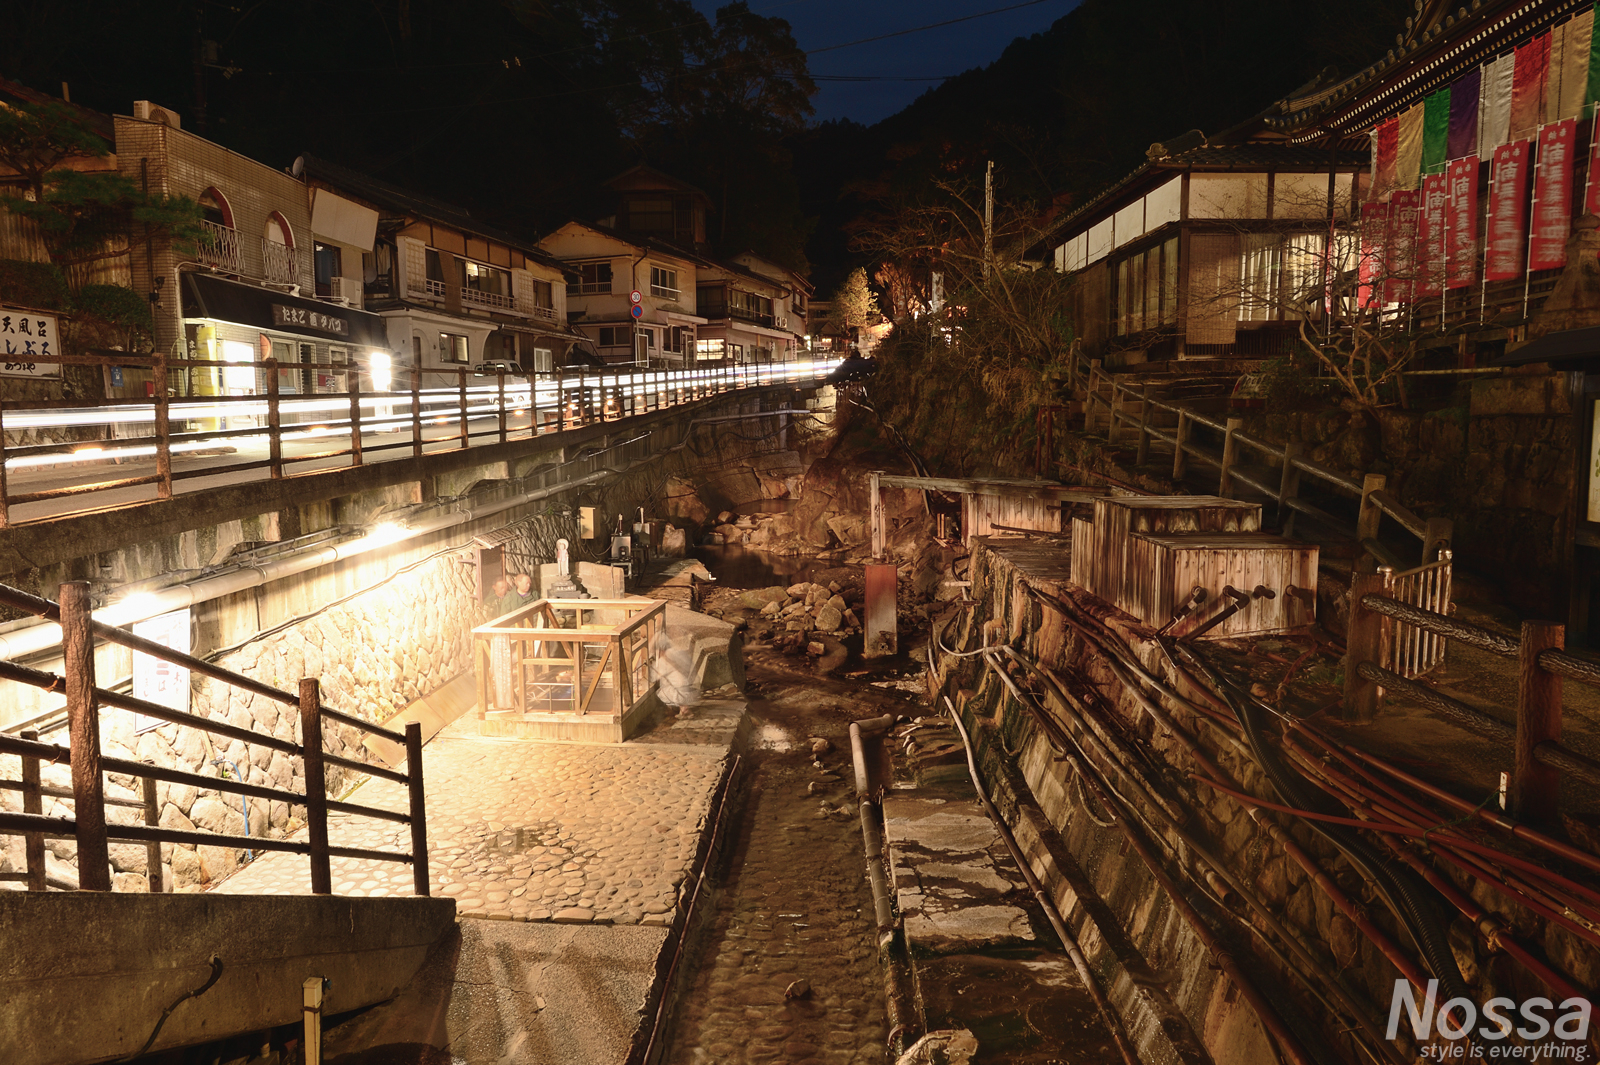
x,y
1535,786
993,486
316,785
1163,570
419,809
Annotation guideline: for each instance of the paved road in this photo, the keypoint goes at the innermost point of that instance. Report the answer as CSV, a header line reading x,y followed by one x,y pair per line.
x,y
528,831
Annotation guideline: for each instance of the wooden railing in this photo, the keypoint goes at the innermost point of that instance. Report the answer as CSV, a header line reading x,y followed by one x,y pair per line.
x,y
546,658
88,825
1133,407
323,428
1543,663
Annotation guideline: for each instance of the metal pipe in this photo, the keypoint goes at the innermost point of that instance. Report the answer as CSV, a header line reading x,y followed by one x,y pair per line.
x,y
1068,941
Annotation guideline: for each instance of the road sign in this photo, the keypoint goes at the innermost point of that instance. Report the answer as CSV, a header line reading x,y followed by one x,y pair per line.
x,y
636,296
638,311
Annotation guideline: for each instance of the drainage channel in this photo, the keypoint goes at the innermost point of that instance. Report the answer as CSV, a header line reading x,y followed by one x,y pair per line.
x,y
787,969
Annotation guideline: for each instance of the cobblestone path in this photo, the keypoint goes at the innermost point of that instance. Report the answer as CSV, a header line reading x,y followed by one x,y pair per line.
x,y
795,906
528,831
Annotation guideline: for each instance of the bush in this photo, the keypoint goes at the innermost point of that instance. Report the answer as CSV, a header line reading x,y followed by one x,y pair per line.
x,y
40,285
115,304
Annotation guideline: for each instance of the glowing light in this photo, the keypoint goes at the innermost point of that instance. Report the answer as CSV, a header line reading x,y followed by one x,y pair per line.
x,y
381,369
90,451
387,532
138,606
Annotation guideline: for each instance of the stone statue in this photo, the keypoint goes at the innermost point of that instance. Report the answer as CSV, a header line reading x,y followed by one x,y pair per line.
x,y
564,566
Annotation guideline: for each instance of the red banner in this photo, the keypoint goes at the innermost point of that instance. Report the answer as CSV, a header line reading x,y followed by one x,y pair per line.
x,y
1374,237
1430,236
1400,262
1461,224
1508,213
1552,197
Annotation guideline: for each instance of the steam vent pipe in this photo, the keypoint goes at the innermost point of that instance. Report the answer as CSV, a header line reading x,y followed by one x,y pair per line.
x,y
871,774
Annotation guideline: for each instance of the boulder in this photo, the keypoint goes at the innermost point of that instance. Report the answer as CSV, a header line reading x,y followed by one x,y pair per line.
x,y
674,542
798,591
760,598
829,618
771,608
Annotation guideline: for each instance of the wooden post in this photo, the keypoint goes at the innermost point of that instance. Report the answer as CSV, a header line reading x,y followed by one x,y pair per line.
x,y
1180,457
83,719
152,850
1230,455
1144,425
416,411
461,393
274,419
1363,643
352,378
1113,418
1369,517
1435,538
5,492
158,374
1535,787
583,399
502,376
875,515
561,398
33,803
1091,392
1289,485
311,989
316,785
419,808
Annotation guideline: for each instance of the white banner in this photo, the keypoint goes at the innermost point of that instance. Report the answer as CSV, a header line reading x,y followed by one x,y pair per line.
x,y
27,344
158,681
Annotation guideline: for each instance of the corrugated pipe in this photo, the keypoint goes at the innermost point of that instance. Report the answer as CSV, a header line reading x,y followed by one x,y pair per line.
x,y
34,639
1068,941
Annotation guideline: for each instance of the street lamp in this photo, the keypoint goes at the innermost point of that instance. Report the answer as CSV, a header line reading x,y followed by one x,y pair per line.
x,y
380,367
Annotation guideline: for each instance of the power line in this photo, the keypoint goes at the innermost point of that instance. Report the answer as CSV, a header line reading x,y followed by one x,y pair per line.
x,y
929,26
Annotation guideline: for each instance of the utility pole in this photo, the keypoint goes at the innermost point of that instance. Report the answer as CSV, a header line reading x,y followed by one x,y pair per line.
x,y
988,217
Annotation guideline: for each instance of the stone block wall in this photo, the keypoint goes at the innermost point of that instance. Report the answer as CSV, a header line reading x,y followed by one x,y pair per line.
x,y
1157,973
401,634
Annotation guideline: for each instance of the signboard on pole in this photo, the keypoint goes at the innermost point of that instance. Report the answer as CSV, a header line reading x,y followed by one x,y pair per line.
x,y
1508,212
636,297
28,341
1461,223
156,680
637,312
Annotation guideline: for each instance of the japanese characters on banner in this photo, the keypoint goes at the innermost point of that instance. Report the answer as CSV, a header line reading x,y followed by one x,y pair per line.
x,y
156,680
1552,197
1461,224
1400,262
1508,212
1430,236
27,344
1374,238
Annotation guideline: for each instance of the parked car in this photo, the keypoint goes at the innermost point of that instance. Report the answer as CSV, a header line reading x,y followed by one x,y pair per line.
x,y
496,367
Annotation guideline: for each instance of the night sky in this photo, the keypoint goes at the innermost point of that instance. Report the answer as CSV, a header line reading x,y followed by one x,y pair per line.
x,y
929,54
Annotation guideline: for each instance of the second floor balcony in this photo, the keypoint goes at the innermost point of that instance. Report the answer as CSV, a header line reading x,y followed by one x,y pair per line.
x,y
218,247
277,262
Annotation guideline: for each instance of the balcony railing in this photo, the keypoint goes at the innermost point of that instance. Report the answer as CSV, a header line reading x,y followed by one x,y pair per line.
x,y
751,316
277,262
487,299
218,247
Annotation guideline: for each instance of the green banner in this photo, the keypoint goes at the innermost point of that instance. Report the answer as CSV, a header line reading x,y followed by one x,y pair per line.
x,y
1435,132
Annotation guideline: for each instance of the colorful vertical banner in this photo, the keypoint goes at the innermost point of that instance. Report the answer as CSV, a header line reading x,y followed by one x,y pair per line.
x,y
1461,224
1374,237
1435,131
1575,64
1591,198
1408,154
1385,145
1552,197
1463,136
1400,259
1430,236
1591,92
1495,108
1550,111
1508,212
1527,87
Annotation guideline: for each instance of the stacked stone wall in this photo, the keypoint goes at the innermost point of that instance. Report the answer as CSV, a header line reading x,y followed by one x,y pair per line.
x,y
375,653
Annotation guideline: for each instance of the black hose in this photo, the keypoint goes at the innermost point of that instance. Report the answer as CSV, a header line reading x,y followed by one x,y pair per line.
x,y
216,972
1412,901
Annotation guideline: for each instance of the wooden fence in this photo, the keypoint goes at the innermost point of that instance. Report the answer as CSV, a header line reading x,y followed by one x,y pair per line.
x,y
550,403
544,657
88,825
1543,664
1134,407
